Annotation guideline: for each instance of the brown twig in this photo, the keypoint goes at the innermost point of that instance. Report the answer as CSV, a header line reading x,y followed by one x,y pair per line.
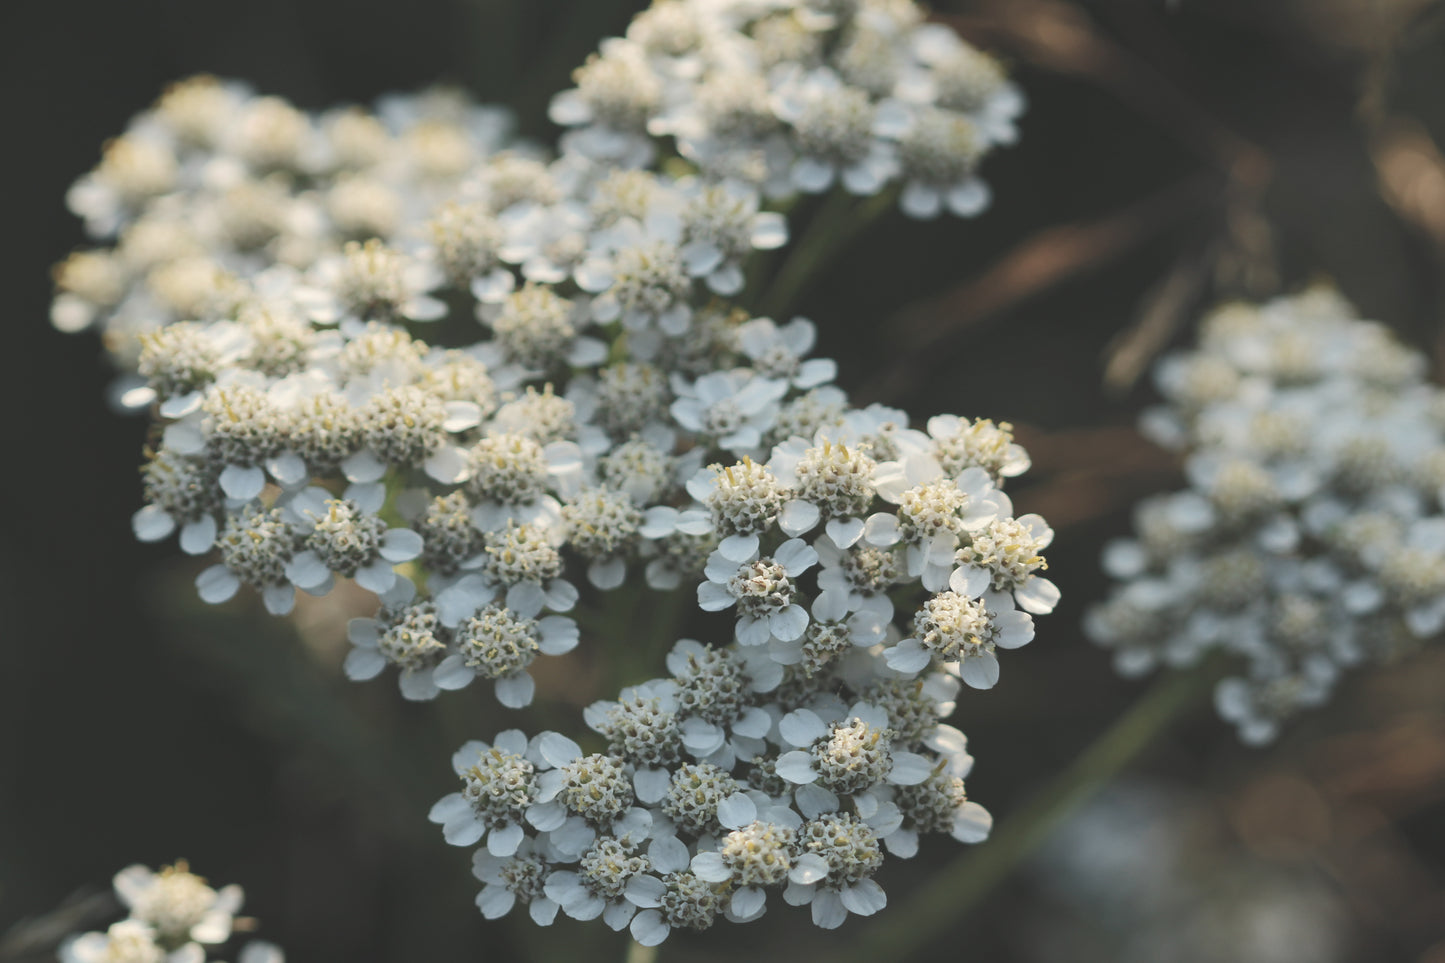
x,y
1061,37
1042,262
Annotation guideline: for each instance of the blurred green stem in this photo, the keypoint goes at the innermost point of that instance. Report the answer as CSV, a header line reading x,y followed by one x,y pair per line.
x,y
637,953
947,896
841,219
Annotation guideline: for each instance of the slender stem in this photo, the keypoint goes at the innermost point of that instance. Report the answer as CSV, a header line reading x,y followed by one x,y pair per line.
x,y
832,228
949,894
637,953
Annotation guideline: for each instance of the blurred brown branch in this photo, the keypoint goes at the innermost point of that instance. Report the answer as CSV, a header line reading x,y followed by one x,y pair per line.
x,y
1043,261
1062,38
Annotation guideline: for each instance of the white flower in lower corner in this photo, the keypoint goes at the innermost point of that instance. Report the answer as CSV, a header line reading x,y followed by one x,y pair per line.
x,y
126,942
178,904
764,591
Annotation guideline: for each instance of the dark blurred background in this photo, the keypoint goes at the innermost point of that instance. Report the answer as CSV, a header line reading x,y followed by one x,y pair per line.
x,y
1173,154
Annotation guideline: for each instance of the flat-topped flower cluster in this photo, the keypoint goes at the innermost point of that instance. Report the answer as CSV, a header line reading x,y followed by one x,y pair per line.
x,y
489,385
799,95
174,917
728,780
1312,536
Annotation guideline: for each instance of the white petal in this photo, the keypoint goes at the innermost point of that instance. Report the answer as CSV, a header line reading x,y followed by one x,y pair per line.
x,y
400,545
289,469
152,523
739,548
971,824
279,599
845,532
808,868
557,750
363,664
802,727
736,811
515,691
789,624
651,784
815,801
376,577
242,484
217,584
712,597
448,465
198,536
864,897
645,891
710,868
453,673
363,466
981,671
668,854
909,769
495,901
902,843
464,831
798,516
504,840
748,902
649,928
417,686
908,656
1038,596
796,767
306,570
607,573
828,910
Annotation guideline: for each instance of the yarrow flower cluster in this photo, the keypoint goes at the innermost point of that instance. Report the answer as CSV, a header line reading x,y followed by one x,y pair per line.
x,y
730,779
487,384
174,917
1312,537
799,95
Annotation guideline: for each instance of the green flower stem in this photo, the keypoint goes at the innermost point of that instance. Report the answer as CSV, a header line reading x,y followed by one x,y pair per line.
x,y
943,899
637,953
841,219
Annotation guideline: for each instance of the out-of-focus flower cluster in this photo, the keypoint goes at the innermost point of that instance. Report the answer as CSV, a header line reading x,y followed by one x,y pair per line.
x,y
216,202
532,385
1312,536
175,917
799,95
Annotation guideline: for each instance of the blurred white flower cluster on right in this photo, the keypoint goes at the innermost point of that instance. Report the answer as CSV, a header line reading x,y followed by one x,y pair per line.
x,y
1312,535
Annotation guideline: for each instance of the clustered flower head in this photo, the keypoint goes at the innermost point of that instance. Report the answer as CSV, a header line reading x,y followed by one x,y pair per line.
x,y
730,779
1313,534
487,384
798,95
174,917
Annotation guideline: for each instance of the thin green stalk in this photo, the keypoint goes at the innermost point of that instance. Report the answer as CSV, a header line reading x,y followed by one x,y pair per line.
x,y
841,219
637,953
949,894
